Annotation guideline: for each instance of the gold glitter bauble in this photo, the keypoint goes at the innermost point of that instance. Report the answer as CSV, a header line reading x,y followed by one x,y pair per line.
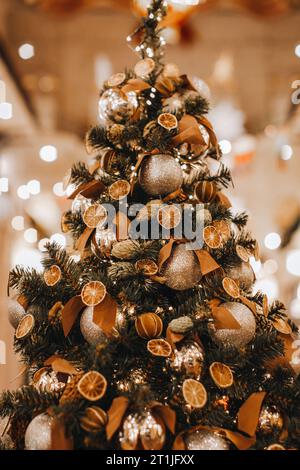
x,y
243,274
242,336
160,175
116,106
188,360
205,440
270,420
38,433
15,312
91,332
182,270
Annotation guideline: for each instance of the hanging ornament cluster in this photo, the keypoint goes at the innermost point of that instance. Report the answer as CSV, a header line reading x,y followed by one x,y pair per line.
x,y
270,420
239,337
146,428
188,360
117,106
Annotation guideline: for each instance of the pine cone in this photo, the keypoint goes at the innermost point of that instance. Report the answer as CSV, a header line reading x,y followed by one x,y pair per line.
x,y
181,325
126,249
71,392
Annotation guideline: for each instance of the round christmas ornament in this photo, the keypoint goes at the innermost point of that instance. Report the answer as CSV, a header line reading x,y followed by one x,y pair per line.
x,y
93,420
182,269
148,325
270,420
136,376
46,380
205,191
242,274
91,332
116,106
188,360
15,312
38,433
160,174
203,439
242,336
145,428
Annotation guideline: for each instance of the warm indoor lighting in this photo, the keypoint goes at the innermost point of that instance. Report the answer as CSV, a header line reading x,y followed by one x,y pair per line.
x,y
34,187
270,266
17,222
48,153
297,50
3,185
42,243
268,286
272,241
286,152
28,257
58,238
30,235
23,192
293,262
6,110
26,51
225,146
58,189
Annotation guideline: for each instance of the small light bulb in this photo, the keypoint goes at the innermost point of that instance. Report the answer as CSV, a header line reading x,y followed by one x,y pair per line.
x,y
26,51
128,39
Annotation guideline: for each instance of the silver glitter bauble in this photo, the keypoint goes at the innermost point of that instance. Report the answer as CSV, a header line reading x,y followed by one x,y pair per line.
x,y
270,420
243,274
91,332
242,336
116,106
182,270
130,433
104,238
80,204
38,433
160,175
135,377
49,382
152,433
205,440
15,312
188,360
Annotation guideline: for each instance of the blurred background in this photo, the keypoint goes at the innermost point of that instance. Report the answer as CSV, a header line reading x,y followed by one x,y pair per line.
x,y
55,54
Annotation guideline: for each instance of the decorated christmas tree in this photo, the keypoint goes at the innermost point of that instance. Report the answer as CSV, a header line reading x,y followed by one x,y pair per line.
x,y
146,334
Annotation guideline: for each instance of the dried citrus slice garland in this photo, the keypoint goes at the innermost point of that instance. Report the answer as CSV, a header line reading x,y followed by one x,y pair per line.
x,y
144,67
119,189
94,215
159,347
211,237
93,293
147,266
167,121
25,326
52,275
230,287
223,228
194,393
221,374
92,385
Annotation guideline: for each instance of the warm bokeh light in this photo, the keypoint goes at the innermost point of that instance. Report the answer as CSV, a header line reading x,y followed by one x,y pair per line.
x,y
270,266
6,111
30,235
58,189
34,187
225,146
48,153
295,308
272,241
17,222
42,243
58,238
23,192
26,51
293,262
3,185
286,152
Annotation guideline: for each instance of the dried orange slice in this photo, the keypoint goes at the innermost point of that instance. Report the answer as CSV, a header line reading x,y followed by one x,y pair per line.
x,y
211,237
221,374
119,189
194,393
275,447
223,228
116,79
144,67
159,347
94,215
92,385
231,287
168,121
242,253
52,275
147,266
169,216
25,326
93,293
